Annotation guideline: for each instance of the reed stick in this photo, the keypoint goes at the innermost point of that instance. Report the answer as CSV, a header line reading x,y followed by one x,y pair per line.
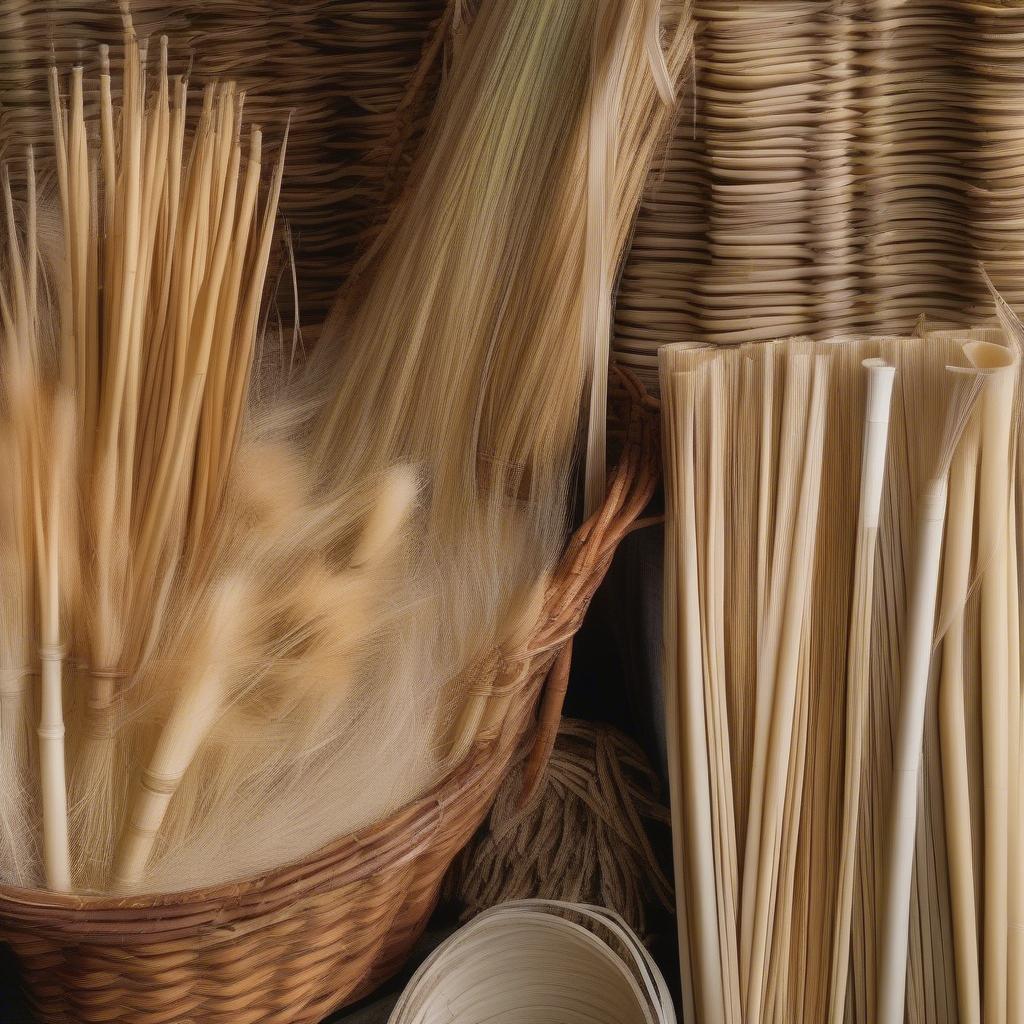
x,y
895,920
711,517
877,407
1013,330
777,515
993,506
50,492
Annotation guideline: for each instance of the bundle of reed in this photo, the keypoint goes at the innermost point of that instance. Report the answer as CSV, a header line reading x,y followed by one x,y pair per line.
x,y
837,167
356,78
835,818
171,591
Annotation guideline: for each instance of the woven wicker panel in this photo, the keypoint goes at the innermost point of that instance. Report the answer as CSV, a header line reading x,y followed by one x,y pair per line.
x,y
356,77
838,166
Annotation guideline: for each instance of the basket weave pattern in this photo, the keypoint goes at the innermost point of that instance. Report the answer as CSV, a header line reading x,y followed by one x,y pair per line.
x,y
837,167
289,946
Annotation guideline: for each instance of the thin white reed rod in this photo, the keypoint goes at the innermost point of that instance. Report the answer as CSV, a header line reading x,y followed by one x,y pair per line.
x,y
32,240
189,267
719,382
155,393
250,306
56,851
91,340
779,750
893,945
232,360
765,479
154,187
77,229
878,403
1014,334
118,357
953,725
67,361
689,679
223,313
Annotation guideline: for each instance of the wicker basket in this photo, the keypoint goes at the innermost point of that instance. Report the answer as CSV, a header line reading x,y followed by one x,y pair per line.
x,y
295,943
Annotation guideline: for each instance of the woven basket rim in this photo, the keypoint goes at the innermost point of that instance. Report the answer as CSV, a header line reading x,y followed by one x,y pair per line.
x,y
344,860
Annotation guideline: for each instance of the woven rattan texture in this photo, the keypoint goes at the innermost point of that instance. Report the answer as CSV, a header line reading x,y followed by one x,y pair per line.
x,y
289,946
356,78
837,166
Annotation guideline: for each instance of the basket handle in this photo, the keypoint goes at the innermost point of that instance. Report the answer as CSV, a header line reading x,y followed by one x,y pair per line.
x,y
548,718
